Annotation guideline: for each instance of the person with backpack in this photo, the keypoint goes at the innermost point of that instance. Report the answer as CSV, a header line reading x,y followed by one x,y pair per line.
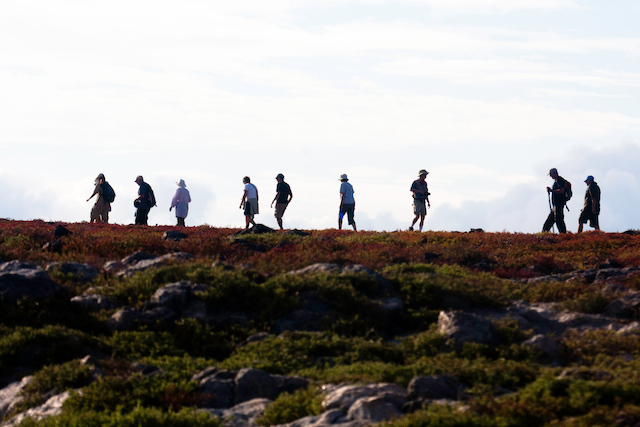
x,y
180,201
559,193
421,193
249,201
145,201
106,195
591,209
282,198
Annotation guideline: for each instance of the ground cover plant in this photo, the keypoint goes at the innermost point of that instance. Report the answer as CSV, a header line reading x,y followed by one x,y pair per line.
x,y
249,285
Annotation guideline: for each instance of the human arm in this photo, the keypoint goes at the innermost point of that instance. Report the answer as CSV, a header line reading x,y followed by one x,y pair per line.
x,y
275,198
244,197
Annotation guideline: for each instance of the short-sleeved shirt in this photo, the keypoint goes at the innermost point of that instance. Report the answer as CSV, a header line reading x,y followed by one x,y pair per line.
x,y
421,186
558,199
283,189
252,191
592,193
347,189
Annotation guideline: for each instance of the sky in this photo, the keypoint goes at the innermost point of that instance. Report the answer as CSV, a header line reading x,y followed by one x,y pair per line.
x,y
487,95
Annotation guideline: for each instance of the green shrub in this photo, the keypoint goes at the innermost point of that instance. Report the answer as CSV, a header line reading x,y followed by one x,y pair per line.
x,y
290,407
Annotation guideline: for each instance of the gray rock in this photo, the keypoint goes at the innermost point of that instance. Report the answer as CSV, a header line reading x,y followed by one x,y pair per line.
x,y
260,336
216,393
310,317
243,414
435,387
174,235
113,266
256,229
292,384
345,396
53,406
145,264
94,302
85,272
546,346
372,409
136,257
625,307
461,327
253,384
10,395
176,295
19,280
124,319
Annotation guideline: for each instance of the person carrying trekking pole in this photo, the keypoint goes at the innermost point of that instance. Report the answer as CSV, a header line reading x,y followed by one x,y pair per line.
x,y
558,197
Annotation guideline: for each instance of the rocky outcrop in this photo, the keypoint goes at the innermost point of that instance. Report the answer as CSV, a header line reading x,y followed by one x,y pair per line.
x,y
145,264
461,327
84,272
94,302
10,395
53,406
174,235
20,279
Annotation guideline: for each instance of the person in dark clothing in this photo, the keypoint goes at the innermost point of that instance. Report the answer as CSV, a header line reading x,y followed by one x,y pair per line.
x,y
421,193
282,198
591,209
100,211
144,202
558,200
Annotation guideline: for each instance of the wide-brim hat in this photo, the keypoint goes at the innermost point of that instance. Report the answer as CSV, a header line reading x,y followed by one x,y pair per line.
x,y
181,183
344,177
423,172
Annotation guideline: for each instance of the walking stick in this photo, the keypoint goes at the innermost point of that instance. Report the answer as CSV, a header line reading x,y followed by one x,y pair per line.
x,y
553,226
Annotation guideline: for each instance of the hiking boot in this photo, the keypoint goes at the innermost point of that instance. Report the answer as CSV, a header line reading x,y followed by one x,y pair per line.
x,y
411,228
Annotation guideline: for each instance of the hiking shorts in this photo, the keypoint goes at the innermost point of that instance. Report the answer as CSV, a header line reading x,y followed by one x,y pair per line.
x,y
348,209
587,215
251,207
280,208
419,207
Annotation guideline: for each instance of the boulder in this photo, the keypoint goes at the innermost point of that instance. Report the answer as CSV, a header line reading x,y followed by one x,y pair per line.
x,y
153,262
243,414
461,327
53,406
435,387
61,231
344,396
112,266
548,347
177,295
310,317
94,302
54,246
174,235
254,383
19,280
216,393
136,257
256,229
296,232
372,409
85,272
625,307
124,319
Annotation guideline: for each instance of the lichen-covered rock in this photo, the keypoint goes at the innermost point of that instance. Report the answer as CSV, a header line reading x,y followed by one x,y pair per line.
x,y
85,272
94,302
53,406
10,395
372,409
461,327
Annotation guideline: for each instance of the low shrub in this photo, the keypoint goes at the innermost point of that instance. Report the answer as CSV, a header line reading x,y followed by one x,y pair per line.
x,y
290,407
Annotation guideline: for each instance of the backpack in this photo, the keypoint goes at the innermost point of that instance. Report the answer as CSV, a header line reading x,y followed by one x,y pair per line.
x,y
568,193
152,197
108,193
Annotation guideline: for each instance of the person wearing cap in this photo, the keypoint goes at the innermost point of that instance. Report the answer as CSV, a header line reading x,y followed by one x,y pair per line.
x,y
282,198
144,202
249,201
180,201
347,202
591,209
420,192
100,210
558,200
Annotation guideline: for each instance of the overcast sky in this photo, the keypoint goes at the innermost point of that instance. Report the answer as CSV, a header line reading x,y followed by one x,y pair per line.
x,y
487,95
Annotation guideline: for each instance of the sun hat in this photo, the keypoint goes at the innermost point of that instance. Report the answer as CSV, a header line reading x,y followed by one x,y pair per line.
x,y
181,183
343,177
423,172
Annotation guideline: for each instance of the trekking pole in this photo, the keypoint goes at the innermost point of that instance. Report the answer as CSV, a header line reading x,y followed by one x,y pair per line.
x,y
553,226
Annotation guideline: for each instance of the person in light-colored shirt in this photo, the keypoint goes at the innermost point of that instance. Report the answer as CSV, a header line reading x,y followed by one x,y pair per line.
x,y
180,201
347,202
249,201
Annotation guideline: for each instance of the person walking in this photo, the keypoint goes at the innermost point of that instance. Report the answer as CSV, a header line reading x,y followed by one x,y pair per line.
x,y
102,207
420,192
249,201
347,203
282,198
591,209
144,202
558,197
180,201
